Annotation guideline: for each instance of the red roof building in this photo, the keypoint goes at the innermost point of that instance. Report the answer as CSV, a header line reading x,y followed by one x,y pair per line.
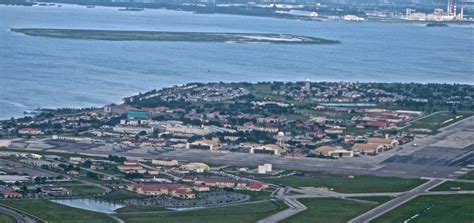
x,y
256,186
157,189
379,124
10,194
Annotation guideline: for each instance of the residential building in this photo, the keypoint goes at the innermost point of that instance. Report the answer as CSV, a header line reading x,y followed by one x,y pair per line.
x,y
157,189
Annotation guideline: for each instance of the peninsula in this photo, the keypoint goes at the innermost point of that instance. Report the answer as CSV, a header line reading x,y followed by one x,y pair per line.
x,y
121,35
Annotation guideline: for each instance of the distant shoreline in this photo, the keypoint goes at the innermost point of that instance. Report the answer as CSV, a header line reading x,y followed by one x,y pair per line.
x,y
119,35
240,11
136,96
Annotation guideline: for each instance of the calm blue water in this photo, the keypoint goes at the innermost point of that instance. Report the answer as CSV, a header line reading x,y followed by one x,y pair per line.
x,y
90,205
46,72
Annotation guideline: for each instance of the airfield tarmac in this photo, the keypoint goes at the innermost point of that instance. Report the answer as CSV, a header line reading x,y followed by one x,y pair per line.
x,y
445,155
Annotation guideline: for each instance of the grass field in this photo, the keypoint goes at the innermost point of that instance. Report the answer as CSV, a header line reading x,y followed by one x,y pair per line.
x,y
103,182
57,213
6,219
469,176
231,214
453,184
137,208
330,210
257,195
440,120
442,208
379,200
343,184
119,194
84,190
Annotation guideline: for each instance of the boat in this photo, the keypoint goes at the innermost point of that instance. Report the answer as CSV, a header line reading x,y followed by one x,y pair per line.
x,y
90,6
436,24
131,9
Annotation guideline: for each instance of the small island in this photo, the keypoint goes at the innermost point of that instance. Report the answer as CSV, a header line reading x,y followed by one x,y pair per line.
x,y
118,35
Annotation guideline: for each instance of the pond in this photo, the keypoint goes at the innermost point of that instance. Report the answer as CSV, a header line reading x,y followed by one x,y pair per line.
x,y
90,204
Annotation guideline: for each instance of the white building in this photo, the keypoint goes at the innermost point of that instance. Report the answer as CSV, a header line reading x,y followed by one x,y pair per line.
x,y
268,167
261,169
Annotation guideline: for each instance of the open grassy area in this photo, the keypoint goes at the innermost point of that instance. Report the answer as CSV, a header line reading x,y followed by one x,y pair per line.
x,y
119,194
343,184
439,208
257,195
469,176
67,183
85,190
57,213
434,122
453,185
379,200
330,210
6,218
231,214
103,182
